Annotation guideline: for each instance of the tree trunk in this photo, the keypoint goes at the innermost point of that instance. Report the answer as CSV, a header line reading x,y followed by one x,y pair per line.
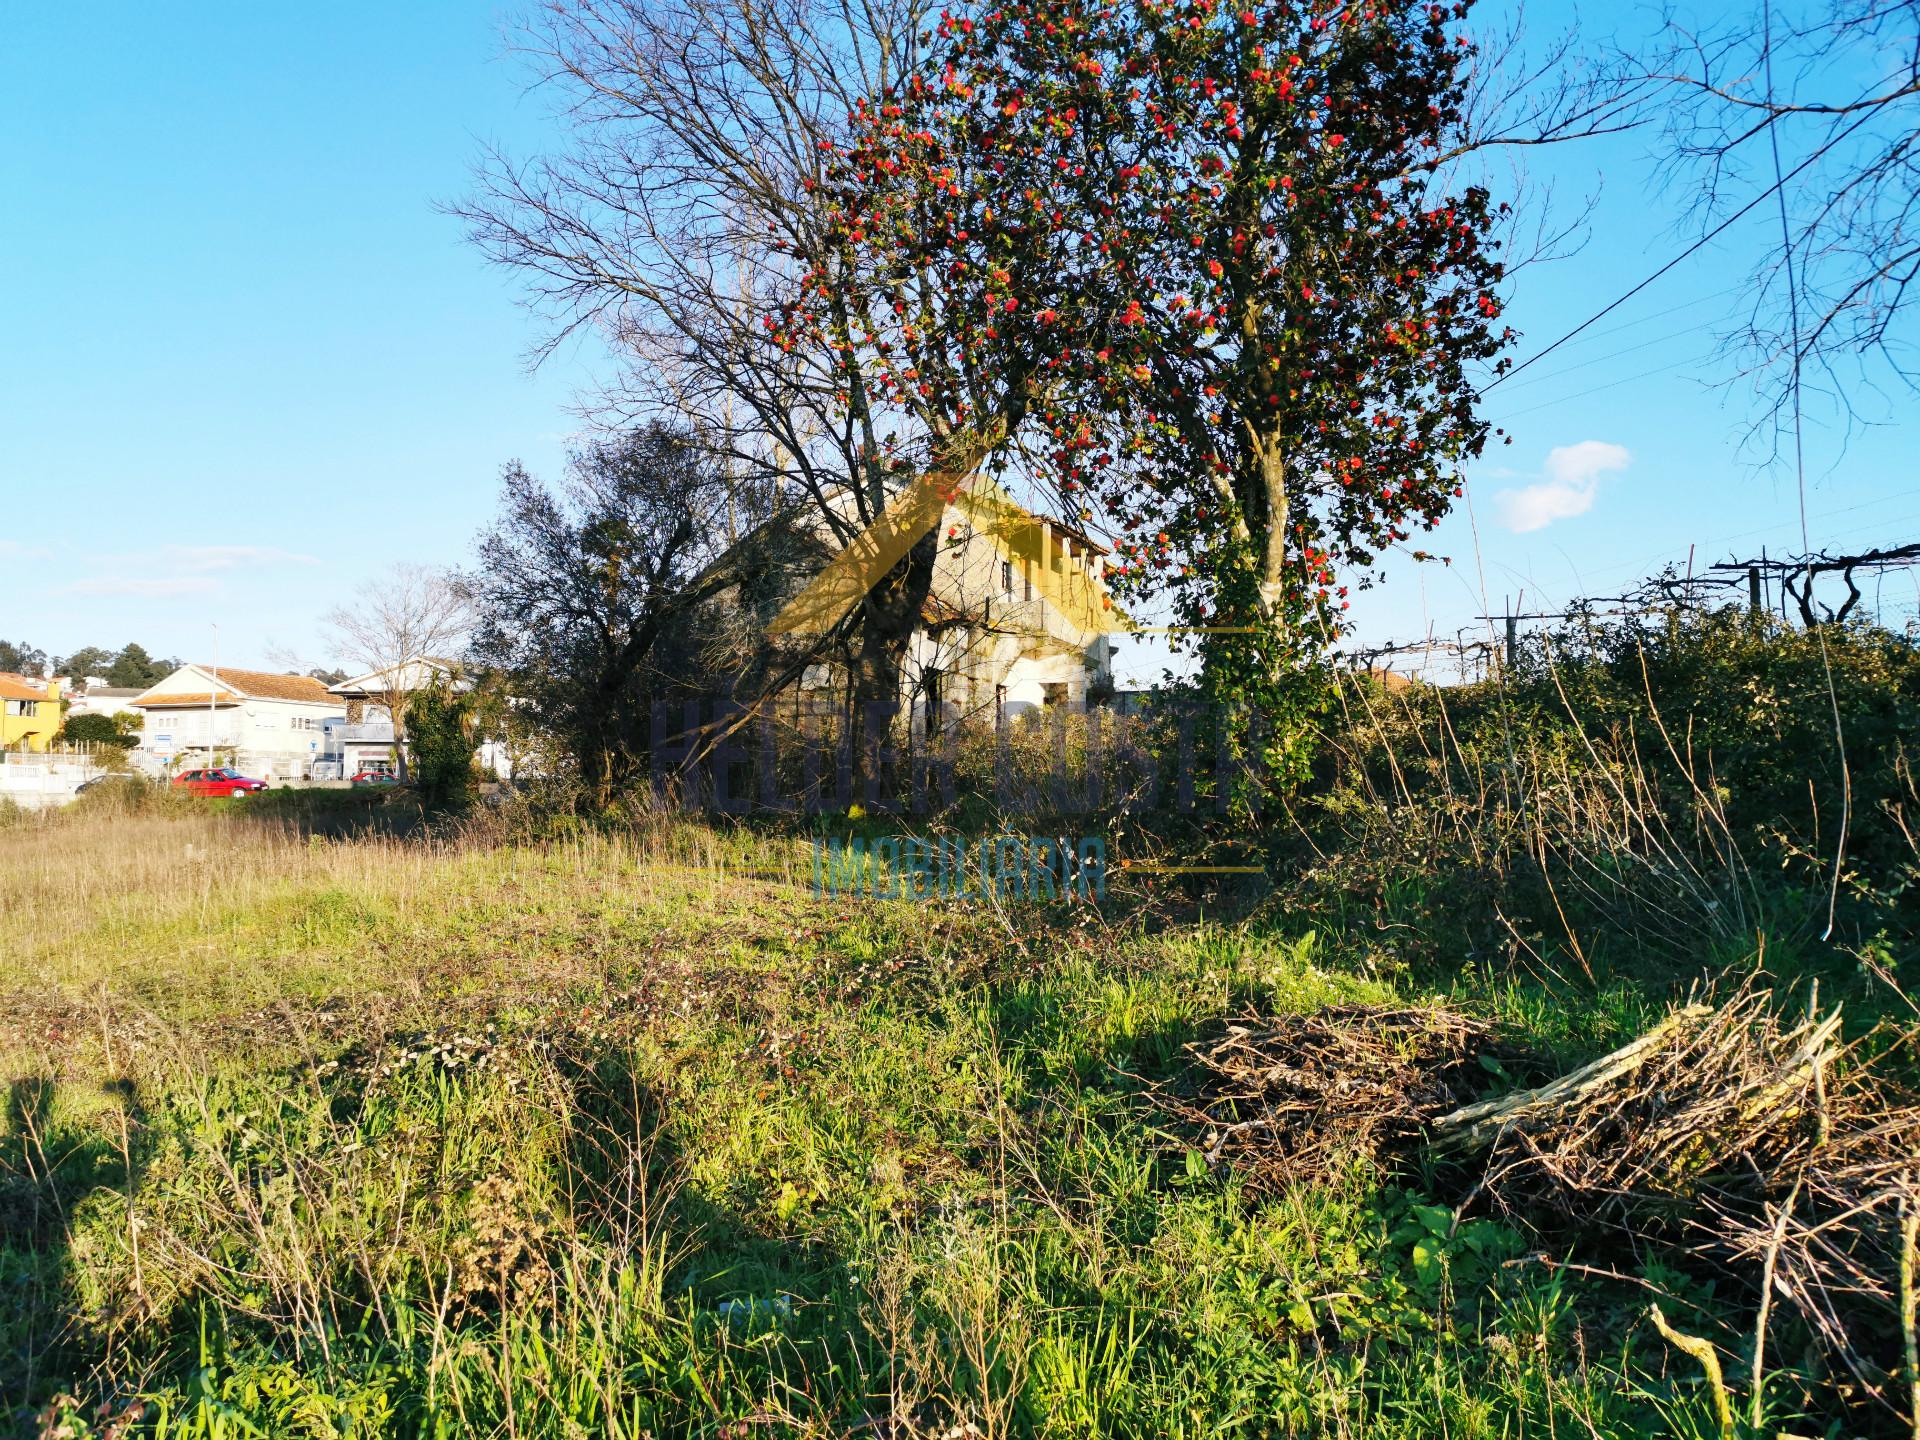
x,y
890,613
397,713
1271,458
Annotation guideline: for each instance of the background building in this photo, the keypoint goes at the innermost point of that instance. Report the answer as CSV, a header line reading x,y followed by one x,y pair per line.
x,y
269,726
29,712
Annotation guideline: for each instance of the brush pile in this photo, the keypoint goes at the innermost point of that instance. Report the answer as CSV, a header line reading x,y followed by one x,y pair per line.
x,y
1769,1149
1292,1098
1708,1097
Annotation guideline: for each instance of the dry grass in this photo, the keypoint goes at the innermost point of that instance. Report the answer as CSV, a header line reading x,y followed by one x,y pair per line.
x,y
211,922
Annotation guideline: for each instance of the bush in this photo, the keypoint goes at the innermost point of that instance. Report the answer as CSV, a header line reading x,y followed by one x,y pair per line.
x,y
95,730
1650,794
441,743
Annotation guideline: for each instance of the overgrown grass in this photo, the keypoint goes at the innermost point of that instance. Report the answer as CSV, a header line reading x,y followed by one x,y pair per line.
x,y
329,1120
614,1136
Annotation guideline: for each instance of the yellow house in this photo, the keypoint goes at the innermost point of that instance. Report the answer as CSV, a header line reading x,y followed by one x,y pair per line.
x,y
29,713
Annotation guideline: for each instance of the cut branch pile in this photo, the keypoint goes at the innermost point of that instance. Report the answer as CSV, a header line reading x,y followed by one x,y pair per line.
x,y
1766,1148
1293,1098
1709,1096
1839,1234
1772,1149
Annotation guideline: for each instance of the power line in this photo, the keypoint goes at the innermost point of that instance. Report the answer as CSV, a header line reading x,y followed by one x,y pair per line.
x,y
1665,314
1580,365
1800,476
1685,254
1610,385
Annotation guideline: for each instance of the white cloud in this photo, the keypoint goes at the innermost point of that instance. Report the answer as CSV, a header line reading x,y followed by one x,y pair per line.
x,y
155,588
173,570
21,550
200,559
1571,481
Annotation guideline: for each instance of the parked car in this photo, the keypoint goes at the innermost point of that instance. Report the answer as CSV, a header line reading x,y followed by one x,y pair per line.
x,y
374,779
222,781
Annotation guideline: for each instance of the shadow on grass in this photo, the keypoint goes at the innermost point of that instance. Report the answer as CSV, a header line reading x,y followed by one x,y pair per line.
x,y
336,814
48,1168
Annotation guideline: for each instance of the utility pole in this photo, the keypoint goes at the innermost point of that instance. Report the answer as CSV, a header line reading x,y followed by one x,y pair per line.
x,y
1753,590
213,696
1513,642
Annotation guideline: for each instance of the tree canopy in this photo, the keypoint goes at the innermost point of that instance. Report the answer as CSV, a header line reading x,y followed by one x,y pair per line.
x,y
1211,257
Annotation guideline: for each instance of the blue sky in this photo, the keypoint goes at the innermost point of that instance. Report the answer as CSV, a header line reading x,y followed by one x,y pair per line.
x,y
247,362
248,365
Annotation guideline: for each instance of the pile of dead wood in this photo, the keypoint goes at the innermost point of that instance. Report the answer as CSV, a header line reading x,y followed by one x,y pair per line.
x,y
1292,1098
1707,1096
1763,1145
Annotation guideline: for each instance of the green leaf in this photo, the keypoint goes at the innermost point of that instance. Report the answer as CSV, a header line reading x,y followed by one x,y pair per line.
x,y
1437,1219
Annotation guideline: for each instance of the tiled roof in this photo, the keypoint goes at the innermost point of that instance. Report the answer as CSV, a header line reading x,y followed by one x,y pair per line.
x,y
13,687
246,685
165,702
265,685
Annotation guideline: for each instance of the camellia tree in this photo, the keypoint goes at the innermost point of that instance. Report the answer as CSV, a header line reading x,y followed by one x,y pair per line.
x,y
1206,269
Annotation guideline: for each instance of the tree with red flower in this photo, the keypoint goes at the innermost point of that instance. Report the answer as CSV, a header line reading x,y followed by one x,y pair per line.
x,y
1207,268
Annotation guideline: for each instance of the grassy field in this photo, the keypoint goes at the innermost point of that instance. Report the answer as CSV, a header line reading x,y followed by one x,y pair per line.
x,y
631,1134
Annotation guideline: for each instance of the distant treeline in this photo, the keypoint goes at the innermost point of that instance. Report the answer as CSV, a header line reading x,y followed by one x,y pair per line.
x,y
130,665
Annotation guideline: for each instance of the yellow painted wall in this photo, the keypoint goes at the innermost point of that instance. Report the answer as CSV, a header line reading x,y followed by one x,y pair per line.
x,y
34,730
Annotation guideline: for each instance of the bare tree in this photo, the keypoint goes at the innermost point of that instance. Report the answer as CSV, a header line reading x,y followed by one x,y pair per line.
x,y
413,613
1819,100
672,223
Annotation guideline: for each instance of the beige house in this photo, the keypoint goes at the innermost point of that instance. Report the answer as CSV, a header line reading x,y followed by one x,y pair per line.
x,y
1012,622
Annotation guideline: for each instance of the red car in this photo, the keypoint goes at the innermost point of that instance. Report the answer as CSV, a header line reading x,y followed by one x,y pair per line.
x,y
218,782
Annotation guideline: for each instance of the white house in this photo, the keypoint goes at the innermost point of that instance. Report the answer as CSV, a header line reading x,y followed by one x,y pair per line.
x,y
96,697
373,696
364,739
272,725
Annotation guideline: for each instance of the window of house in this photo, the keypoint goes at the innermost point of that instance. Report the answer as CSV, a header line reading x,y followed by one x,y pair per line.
x,y
1006,576
1028,577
